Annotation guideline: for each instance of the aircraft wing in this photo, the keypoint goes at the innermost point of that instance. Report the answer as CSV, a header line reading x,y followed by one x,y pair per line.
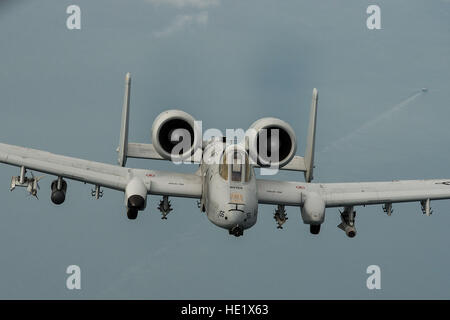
x,y
97,173
353,194
101,174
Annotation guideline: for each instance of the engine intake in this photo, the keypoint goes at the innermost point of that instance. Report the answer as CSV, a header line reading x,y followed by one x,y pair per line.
x,y
59,189
175,135
272,142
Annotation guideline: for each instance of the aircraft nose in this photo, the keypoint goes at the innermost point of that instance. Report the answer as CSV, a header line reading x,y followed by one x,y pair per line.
x,y
236,210
235,217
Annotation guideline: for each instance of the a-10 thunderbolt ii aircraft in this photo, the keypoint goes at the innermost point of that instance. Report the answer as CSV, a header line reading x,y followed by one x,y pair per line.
x,y
227,189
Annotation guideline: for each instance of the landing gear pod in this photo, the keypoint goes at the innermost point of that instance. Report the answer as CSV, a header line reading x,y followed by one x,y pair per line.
x,y
135,197
314,228
313,211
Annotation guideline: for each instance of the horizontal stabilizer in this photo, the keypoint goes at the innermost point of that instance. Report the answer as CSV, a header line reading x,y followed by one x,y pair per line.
x,y
296,164
148,151
142,151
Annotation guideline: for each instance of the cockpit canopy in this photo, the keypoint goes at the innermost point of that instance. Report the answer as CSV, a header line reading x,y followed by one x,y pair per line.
x,y
234,165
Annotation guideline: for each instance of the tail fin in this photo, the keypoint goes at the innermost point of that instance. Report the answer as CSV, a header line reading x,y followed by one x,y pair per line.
x,y
310,144
123,141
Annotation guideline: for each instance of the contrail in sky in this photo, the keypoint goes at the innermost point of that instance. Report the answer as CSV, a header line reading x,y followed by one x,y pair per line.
x,y
367,125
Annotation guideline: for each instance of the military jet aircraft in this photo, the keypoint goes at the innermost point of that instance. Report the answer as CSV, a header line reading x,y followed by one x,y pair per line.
x,y
225,184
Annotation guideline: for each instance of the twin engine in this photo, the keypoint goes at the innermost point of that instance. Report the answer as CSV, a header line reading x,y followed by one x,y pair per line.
x,y
177,136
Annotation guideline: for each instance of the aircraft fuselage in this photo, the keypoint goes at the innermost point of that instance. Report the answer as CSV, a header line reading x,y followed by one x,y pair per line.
x,y
230,195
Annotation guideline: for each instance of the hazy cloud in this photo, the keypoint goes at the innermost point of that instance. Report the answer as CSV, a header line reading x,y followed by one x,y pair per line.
x,y
186,3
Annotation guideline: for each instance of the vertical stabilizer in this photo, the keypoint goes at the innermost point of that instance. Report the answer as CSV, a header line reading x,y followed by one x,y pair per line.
x,y
123,142
310,143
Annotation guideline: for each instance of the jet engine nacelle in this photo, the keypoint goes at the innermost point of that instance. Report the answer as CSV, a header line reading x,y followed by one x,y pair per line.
x,y
59,189
175,135
313,210
136,195
272,142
